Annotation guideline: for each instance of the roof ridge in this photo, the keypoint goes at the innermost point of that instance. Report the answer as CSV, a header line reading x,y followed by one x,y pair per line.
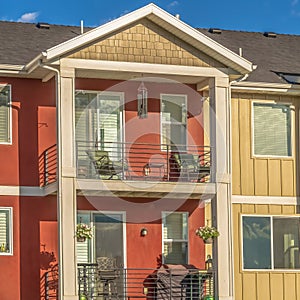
x,y
247,31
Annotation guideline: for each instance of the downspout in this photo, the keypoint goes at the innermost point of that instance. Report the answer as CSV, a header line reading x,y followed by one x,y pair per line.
x,y
59,196
242,78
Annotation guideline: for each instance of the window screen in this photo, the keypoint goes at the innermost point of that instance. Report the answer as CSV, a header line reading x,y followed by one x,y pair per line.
x,y
272,129
5,114
175,237
5,231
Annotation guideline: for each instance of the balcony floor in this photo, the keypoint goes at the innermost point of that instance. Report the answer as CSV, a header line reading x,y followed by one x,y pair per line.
x,y
147,189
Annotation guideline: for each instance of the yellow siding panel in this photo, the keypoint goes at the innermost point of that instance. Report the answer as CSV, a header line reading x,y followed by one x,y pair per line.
x,y
247,180
276,285
274,176
263,286
287,177
262,209
297,286
289,209
250,173
275,209
248,208
238,278
261,177
249,286
236,172
289,286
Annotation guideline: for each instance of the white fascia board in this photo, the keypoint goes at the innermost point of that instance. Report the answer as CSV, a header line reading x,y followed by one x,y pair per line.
x,y
266,87
203,39
12,69
98,32
145,68
241,64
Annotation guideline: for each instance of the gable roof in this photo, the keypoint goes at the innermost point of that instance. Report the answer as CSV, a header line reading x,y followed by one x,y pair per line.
x,y
271,55
166,21
22,42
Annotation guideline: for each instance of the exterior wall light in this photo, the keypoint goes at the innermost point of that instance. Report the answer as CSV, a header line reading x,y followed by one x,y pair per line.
x,y
144,231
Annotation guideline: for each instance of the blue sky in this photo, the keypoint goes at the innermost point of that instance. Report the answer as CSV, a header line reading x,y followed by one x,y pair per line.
x,y
281,16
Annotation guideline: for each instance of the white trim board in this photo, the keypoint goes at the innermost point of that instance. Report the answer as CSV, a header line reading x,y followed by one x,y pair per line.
x,y
239,199
8,190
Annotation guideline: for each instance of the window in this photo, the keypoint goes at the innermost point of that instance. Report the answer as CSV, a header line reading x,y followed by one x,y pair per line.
x,y
175,238
270,242
173,121
272,129
5,231
5,114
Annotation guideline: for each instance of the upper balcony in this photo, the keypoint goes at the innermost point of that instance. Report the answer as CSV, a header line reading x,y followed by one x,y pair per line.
x,y
144,169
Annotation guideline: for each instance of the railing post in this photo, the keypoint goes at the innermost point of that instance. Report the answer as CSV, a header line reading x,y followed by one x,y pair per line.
x,y
168,163
46,167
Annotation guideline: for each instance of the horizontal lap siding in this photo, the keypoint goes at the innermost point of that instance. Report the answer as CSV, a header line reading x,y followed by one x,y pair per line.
x,y
259,176
262,285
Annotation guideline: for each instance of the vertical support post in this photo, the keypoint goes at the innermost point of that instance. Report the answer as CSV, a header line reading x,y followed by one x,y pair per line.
x,y
46,167
66,187
221,204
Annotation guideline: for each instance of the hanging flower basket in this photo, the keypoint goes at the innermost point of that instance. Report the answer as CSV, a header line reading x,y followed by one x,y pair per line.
x,y
208,241
83,232
81,239
207,234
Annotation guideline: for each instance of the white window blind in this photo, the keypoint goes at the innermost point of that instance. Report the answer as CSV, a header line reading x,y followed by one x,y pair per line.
x,y
173,120
175,232
5,231
5,114
272,129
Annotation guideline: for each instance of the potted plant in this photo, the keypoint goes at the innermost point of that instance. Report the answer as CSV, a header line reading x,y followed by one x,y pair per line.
x,y
83,232
207,233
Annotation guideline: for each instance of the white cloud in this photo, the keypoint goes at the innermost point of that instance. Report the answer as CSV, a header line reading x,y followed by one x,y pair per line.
x,y
174,3
28,17
294,2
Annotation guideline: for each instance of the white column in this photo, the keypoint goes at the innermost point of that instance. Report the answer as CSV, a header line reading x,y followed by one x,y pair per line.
x,y
66,190
221,204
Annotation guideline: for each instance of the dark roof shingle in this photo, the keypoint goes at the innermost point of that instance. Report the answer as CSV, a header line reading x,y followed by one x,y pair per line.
x,y
21,42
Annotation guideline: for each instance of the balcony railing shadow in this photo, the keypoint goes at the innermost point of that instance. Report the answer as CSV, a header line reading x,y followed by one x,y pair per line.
x,y
47,166
143,161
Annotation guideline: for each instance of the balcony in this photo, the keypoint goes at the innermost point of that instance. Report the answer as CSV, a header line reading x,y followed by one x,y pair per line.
x,y
143,170
178,282
143,162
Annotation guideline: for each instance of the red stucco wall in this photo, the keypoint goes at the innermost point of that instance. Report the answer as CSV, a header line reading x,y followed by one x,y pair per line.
x,y
33,129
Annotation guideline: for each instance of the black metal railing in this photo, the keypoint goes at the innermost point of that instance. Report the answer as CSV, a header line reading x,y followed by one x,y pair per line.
x,y
48,166
162,283
143,161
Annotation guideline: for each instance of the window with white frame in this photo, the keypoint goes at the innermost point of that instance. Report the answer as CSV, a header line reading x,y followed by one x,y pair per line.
x,y
174,120
175,238
5,231
270,242
272,129
5,114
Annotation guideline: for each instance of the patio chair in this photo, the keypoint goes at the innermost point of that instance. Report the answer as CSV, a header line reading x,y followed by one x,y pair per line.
x,y
107,274
187,166
105,167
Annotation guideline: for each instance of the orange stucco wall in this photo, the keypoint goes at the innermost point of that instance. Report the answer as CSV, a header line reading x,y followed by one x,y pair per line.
x,y
33,130
145,252
148,130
